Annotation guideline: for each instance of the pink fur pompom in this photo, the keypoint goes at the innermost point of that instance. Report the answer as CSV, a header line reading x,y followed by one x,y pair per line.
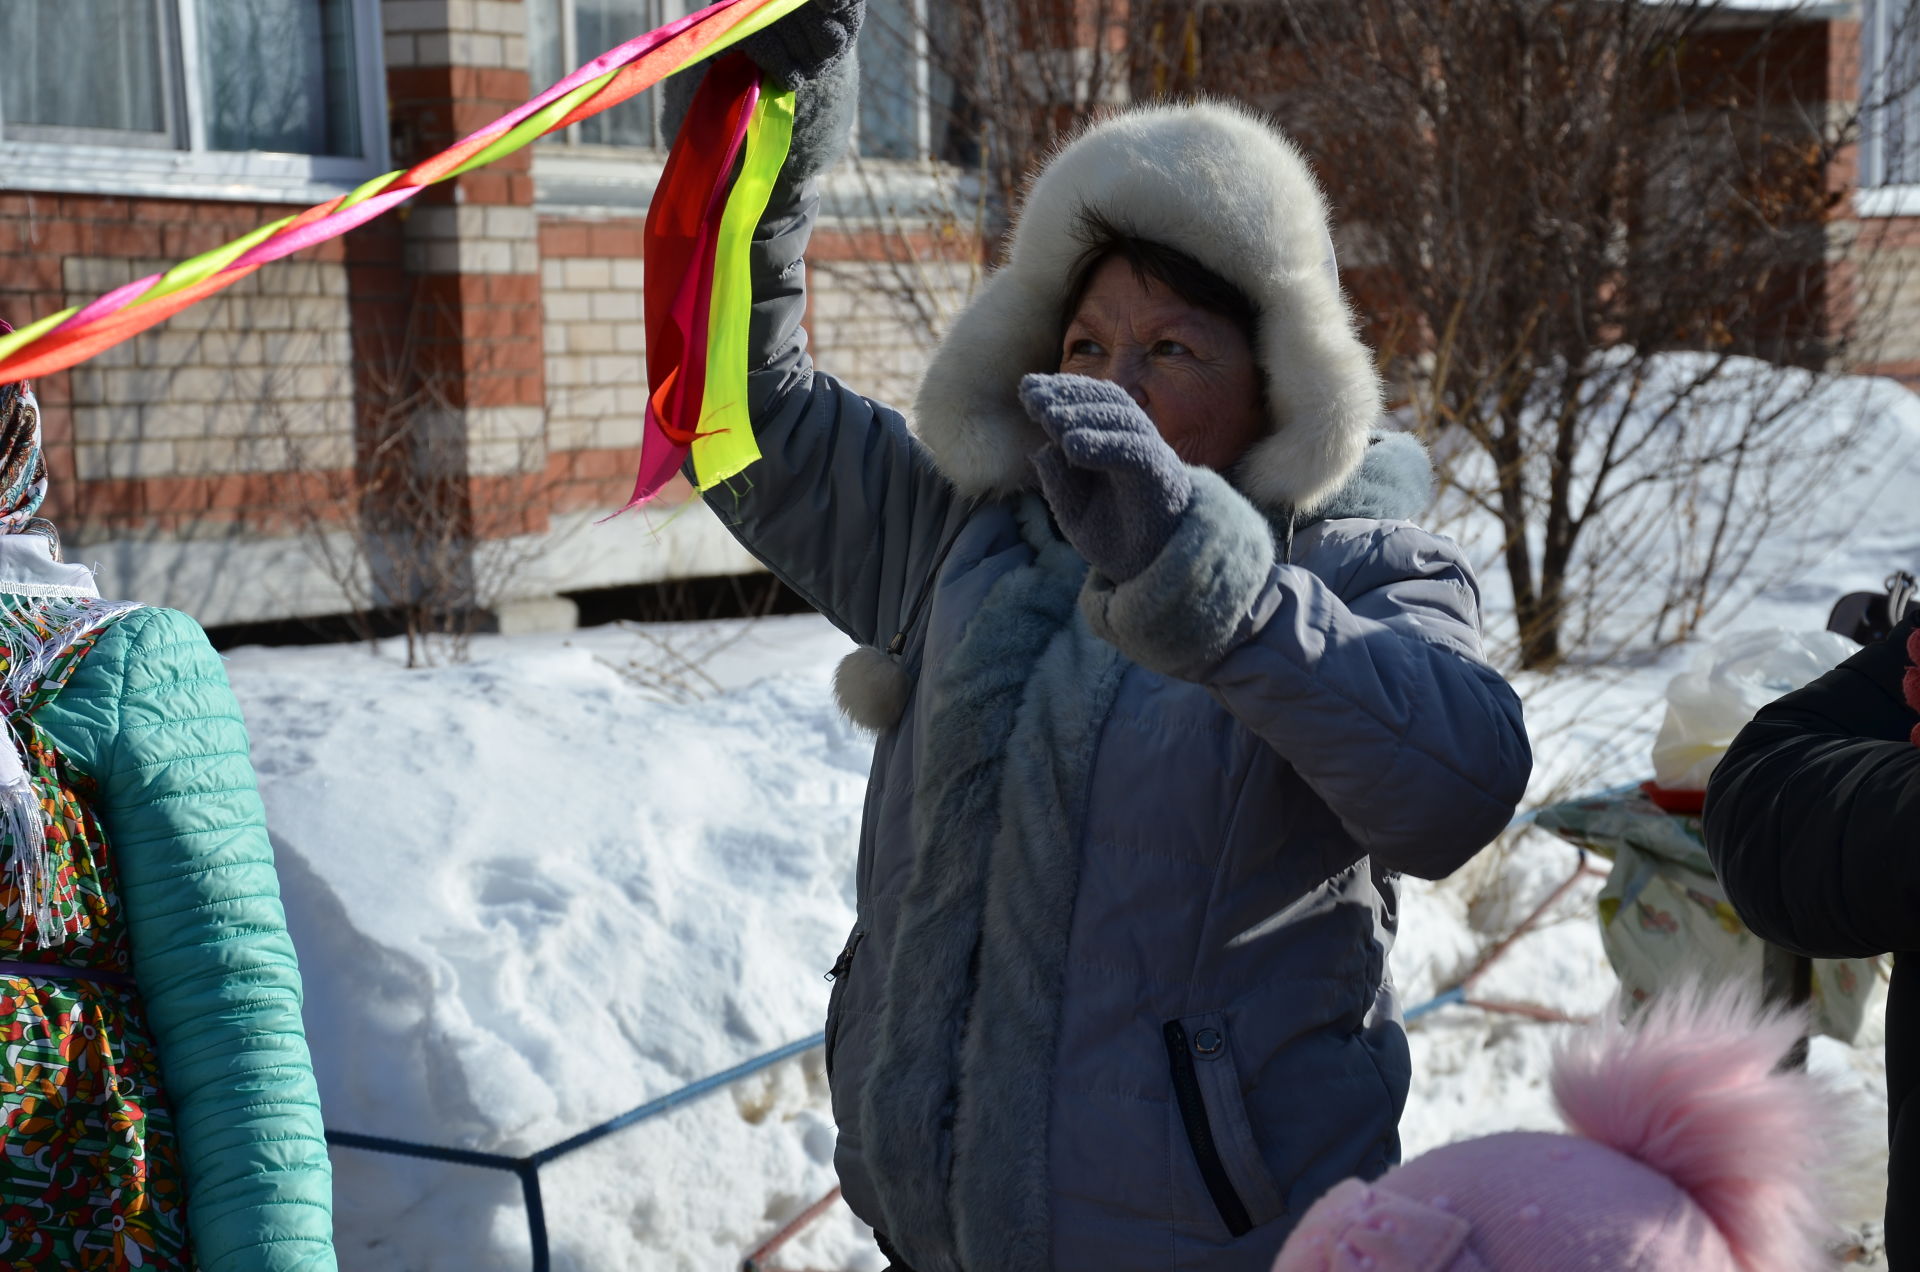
x,y
1690,1089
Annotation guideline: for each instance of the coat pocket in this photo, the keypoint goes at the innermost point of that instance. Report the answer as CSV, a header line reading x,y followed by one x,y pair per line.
x,y
1206,1088
838,975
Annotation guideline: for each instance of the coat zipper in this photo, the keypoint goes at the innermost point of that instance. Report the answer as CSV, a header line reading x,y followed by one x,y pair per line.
x,y
1193,1112
838,972
843,964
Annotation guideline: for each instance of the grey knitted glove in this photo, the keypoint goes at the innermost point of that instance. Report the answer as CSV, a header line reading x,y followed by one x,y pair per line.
x,y
1115,486
809,42
823,108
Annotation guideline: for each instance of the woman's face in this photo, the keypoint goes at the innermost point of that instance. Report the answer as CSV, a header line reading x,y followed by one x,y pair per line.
x,y
1192,371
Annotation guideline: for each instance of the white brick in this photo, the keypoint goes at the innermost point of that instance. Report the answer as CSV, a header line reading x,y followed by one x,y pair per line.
x,y
570,370
200,422
590,337
262,313
509,223
630,337
124,459
88,383
589,273
470,48
553,337
151,384
567,306
202,317
620,428
502,17
608,306
120,355
434,50
499,459
567,433
317,313
401,50
526,256
486,256
615,368
505,423
513,52
92,275
104,423
312,384
629,274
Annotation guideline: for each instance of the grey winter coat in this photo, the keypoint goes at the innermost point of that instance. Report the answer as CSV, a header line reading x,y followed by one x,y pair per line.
x,y
1117,997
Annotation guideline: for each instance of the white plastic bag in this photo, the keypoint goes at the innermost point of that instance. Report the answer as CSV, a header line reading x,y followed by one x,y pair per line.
x,y
1722,689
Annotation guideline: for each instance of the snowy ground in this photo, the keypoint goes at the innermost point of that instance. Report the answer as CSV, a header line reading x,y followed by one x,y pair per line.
x,y
535,891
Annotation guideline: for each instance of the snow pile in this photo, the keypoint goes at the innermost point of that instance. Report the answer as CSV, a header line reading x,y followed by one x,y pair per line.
x,y
533,893
536,891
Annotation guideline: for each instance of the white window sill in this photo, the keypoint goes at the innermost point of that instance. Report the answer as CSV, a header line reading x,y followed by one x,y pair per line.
x,y
1883,201
39,167
583,181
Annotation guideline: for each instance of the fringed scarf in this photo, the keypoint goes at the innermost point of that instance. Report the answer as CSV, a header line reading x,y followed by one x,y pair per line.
x,y
23,464
37,628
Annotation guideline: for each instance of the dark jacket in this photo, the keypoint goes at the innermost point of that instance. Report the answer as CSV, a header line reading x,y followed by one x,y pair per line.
x,y
1813,821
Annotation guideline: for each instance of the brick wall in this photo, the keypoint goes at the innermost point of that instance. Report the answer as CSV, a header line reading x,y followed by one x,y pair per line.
x,y
180,430
196,461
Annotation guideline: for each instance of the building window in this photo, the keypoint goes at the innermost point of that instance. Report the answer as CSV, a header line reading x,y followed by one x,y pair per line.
x,y
1890,120
899,82
257,98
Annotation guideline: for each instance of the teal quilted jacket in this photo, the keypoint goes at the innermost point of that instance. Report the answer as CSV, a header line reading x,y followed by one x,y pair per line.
x,y
149,714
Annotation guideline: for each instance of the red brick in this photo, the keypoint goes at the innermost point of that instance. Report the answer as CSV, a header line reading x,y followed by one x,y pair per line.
x,y
93,207
126,238
617,238
557,239
177,242
58,237
513,289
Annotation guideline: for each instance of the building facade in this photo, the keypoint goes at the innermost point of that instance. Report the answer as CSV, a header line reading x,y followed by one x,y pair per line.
x,y
217,463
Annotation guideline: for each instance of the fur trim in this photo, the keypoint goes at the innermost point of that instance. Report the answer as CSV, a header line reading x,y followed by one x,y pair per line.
x,y
1394,482
1231,191
872,689
1014,718
1182,613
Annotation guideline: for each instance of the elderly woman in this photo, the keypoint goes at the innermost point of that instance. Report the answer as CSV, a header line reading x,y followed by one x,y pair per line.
x,y
1167,694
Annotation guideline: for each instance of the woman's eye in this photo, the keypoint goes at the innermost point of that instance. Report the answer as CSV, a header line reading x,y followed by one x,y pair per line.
x,y
1170,349
1084,349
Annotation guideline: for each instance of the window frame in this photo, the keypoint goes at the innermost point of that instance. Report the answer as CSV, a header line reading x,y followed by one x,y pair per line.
x,y
1874,195
573,178
62,160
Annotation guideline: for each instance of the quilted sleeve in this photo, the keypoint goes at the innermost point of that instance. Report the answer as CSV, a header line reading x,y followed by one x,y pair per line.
x,y
1376,693
211,951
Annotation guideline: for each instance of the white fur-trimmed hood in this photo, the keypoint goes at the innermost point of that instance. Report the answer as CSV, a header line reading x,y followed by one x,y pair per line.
x,y
1226,188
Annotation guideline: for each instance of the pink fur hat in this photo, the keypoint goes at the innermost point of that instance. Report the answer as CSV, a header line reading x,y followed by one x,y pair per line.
x,y
1690,1153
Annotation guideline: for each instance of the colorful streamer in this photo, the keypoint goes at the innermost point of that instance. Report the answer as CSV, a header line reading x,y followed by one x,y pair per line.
x,y
698,299
72,336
